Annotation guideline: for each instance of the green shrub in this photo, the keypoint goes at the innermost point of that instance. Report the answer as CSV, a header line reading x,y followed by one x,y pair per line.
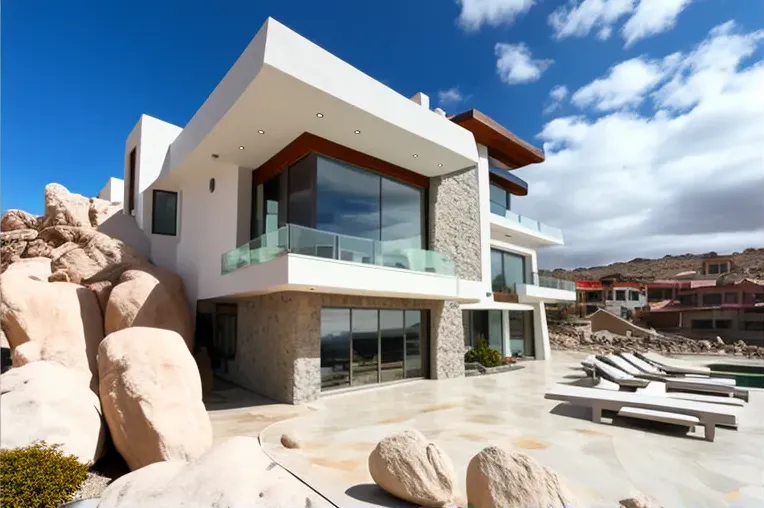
x,y
39,475
483,354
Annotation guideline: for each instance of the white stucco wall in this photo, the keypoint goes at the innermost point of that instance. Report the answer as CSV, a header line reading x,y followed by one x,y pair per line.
x,y
113,191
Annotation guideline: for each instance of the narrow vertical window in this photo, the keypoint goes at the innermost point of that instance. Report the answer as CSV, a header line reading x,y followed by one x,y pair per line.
x,y
164,213
131,183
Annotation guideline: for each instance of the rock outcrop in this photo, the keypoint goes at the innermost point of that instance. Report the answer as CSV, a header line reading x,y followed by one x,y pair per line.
x,y
152,397
640,500
18,219
63,208
101,210
37,268
47,401
63,318
411,468
234,473
497,477
149,297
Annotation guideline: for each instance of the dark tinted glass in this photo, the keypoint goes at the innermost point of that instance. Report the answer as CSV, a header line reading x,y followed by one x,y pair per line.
x,y
414,366
391,327
347,199
401,215
301,191
164,218
335,348
365,347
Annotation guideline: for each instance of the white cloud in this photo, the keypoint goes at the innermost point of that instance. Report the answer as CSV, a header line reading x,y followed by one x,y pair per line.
x,y
578,18
452,96
652,17
515,64
556,95
645,18
475,13
625,85
669,181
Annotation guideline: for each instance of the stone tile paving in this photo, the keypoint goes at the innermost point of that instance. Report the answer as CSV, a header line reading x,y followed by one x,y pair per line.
x,y
602,463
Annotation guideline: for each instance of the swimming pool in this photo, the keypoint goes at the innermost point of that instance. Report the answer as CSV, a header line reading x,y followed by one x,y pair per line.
x,y
751,376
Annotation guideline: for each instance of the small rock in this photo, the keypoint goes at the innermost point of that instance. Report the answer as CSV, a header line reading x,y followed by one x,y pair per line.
x,y
289,441
719,341
639,500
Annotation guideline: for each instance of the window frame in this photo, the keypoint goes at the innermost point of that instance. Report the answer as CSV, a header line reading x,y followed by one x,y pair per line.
x,y
622,294
154,231
730,298
706,303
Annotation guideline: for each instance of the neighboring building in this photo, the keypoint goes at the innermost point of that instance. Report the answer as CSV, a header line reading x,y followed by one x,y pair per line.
x,y
612,293
730,309
332,233
113,191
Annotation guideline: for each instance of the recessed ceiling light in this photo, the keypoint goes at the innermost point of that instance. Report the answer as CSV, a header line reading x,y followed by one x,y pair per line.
x,y
357,131
241,148
261,131
214,156
320,115
440,165
415,155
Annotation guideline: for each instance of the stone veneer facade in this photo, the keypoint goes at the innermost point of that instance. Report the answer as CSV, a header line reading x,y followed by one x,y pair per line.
x,y
279,335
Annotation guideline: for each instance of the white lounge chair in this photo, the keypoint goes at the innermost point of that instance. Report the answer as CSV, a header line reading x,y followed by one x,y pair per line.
x,y
648,407
650,369
679,383
616,375
673,365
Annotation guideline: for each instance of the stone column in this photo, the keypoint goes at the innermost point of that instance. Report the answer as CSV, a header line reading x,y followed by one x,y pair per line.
x,y
454,230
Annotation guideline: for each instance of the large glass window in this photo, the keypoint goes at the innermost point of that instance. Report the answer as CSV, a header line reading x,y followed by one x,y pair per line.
x,y
507,270
500,200
164,216
367,346
485,325
347,199
335,348
300,208
402,215
271,198
521,341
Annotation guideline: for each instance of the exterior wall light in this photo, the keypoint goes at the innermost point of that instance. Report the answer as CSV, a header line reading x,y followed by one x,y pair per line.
x,y
241,148
320,115
415,155
261,131
357,131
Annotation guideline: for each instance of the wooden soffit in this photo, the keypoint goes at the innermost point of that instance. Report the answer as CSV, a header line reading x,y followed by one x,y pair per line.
x,y
502,144
306,143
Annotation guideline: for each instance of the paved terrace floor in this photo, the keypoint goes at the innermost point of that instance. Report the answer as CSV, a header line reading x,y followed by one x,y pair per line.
x,y
601,463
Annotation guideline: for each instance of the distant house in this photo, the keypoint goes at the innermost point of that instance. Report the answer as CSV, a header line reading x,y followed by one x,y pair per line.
x,y
615,293
729,307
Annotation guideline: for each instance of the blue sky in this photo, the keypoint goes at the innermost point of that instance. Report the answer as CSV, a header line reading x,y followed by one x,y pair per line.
x,y
76,75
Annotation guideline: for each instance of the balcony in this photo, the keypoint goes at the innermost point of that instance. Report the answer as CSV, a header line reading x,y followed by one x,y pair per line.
x,y
296,239
297,258
539,289
522,230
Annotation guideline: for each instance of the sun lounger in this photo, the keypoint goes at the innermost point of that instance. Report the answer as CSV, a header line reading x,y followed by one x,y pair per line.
x,y
708,415
658,389
673,365
703,385
616,375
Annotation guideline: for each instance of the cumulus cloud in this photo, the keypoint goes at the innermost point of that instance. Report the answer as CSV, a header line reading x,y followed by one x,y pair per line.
x,y
660,180
556,96
451,97
515,64
652,17
475,13
643,18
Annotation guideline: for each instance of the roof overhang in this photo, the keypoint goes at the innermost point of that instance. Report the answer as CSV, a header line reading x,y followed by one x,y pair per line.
x,y
502,144
284,85
507,181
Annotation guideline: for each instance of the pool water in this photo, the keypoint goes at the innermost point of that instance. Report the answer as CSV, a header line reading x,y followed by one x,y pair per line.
x,y
749,376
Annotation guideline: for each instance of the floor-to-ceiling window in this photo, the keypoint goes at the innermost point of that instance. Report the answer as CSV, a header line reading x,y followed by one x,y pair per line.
x,y
373,214
507,270
367,346
500,200
484,324
521,340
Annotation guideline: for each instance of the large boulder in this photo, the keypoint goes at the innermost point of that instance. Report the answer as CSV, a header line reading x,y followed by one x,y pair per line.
x,y
497,477
234,473
152,397
411,468
47,401
88,255
63,318
62,208
149,297
18,219
37,268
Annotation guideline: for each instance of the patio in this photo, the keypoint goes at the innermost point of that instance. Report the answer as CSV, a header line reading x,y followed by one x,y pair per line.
x,y
601,463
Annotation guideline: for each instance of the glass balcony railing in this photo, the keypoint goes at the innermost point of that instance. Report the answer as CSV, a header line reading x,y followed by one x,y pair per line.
x,y
527,222
313,242
552,283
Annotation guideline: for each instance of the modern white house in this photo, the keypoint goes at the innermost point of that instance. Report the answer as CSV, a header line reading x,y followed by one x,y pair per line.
x,y
332,233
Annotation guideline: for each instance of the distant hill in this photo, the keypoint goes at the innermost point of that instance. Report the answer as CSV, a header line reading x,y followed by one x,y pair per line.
x,y
750,263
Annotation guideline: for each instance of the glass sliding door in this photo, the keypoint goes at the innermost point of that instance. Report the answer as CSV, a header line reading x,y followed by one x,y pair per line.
x,y
495,335
521,341
335,348
391,345
486,325
414,346
365,346
368,346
